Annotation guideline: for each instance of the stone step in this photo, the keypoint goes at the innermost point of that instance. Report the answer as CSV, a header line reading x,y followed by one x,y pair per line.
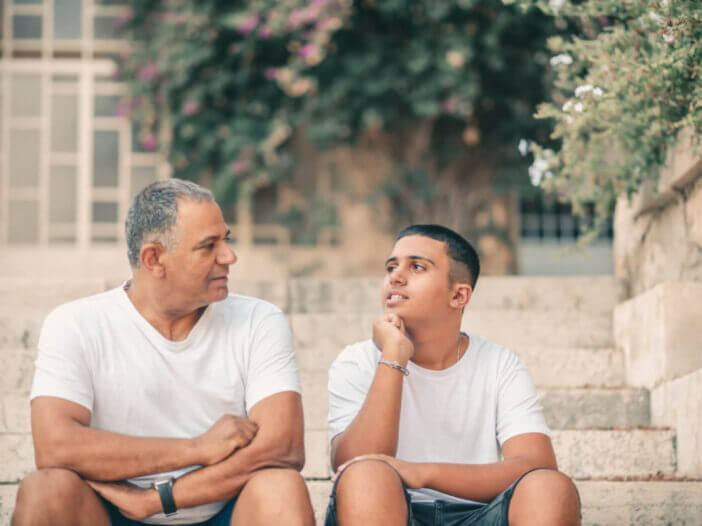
x,y
509,292
349,294
596,408
549,366
46,293
604,503
511,328
563,408
581,453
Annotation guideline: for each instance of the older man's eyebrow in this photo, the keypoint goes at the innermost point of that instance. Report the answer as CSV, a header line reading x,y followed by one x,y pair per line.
x,y
421,258
209,239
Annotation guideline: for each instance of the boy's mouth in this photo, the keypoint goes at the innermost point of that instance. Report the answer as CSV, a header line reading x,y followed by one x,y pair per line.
x,y
395,298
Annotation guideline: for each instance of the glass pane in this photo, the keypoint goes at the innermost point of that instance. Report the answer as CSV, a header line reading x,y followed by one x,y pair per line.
x,y
62,189
23,222
106,105
64,123
67,17
104,212
26,95
106,158
21,2
24,158
105,27
142,176
64,78
26,26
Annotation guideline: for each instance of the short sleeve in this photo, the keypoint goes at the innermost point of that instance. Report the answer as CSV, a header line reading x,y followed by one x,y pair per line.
x,y
272,367
350,380
62,369
518,408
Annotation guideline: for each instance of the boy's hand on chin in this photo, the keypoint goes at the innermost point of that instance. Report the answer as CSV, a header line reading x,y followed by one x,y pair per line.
x,y
390,336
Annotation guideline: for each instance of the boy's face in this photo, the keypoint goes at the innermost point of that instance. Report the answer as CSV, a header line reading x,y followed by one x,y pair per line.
x,y
416,285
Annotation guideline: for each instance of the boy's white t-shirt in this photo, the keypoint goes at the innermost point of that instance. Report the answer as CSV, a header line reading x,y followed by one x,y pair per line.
x,y
100,352
462,414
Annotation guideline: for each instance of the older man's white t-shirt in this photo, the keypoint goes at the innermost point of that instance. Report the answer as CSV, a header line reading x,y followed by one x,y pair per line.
x,y
462,414
100,352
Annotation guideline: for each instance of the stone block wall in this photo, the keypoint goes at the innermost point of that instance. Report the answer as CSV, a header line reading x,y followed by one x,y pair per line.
x,y
658,261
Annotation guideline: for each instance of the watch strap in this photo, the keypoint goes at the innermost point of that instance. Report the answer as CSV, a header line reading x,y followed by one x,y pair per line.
x,y
165,492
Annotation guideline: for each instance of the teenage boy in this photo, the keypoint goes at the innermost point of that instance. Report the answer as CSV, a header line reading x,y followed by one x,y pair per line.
x,y
432,426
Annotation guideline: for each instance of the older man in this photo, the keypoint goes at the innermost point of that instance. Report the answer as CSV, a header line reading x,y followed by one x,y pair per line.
x,y
167,400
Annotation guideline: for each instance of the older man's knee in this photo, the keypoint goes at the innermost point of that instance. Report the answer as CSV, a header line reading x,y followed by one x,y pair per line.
x,y
370,485
268,486
46,491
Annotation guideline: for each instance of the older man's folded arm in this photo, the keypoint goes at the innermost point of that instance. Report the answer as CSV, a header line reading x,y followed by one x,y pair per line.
x,y
63,439
279,443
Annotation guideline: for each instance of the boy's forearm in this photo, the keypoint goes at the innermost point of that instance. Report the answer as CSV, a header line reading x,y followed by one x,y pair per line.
x,y
478,482
375,428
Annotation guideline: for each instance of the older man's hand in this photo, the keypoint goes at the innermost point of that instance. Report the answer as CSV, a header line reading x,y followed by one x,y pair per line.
x,y
226,435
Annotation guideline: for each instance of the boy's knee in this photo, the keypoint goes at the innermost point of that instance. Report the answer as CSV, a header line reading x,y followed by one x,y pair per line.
x,y
548,493
369,481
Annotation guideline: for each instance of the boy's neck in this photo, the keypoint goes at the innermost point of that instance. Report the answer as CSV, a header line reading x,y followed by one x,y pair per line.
x,y
436,346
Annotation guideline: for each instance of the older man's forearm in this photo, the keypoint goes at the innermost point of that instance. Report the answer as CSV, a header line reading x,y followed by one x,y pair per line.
x,y
225,480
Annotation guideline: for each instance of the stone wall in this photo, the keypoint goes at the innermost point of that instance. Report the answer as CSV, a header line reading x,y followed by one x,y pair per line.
x,y
658,234
658,260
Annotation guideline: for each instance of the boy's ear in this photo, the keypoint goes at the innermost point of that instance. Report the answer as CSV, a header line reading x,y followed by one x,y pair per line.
x,y
461,295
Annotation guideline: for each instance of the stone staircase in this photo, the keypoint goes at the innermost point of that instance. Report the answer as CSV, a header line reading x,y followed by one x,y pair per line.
x,y
561,327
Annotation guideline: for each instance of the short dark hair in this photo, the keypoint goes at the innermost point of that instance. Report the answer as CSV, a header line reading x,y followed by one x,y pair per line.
x,y
457,248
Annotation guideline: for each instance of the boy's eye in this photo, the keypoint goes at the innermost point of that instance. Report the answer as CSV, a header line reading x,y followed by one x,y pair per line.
x,y
417,266
389,268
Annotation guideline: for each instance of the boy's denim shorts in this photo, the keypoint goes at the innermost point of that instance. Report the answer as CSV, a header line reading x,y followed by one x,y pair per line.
x,y
442,513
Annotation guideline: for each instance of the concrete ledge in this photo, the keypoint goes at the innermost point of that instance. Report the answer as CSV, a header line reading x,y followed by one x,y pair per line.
x,y
678,404
661,341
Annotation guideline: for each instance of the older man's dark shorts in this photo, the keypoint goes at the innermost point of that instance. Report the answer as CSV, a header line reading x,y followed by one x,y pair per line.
x,y
223,517
442,513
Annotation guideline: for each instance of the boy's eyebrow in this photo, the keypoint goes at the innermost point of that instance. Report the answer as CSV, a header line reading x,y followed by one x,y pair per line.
x,y
214,238
393,259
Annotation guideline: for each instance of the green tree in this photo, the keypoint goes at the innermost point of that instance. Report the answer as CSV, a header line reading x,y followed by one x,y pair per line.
x,y
449,85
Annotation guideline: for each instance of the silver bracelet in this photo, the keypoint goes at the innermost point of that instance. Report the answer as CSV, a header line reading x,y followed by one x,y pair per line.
x,y
394,365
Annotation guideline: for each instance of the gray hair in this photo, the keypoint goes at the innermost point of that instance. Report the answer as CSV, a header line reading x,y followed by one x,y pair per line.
x,y
154,214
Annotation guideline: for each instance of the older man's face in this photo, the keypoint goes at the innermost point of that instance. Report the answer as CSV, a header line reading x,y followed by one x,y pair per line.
x,y
197,271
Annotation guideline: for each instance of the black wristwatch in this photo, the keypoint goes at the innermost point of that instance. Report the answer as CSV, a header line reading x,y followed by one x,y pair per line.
x,y
165,491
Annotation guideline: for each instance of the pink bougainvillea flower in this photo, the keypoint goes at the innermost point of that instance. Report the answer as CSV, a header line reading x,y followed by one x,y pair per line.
x,y
247,25
148,71
124,19
450,105
149,142
270,73
307,50
191,108
123,109
240,166
265,32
